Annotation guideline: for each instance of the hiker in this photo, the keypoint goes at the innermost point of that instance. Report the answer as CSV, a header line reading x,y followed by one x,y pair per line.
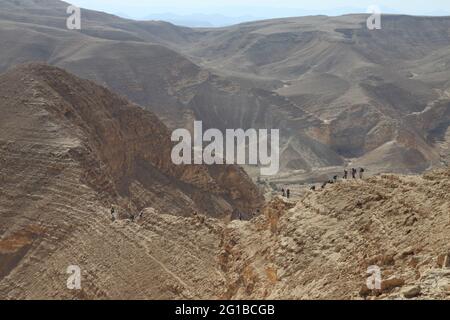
x,y
361,173
345,174
284,192
335,179
354,173
113,217
240,215
288,193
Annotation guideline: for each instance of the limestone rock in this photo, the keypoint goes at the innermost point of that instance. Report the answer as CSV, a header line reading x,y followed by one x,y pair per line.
x,y
411,292
391,283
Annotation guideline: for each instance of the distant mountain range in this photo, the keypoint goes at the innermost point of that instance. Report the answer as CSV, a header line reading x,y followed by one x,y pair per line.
x,y
227,16
341,94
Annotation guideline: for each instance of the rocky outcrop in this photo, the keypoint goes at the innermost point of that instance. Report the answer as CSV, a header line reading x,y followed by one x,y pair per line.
x,y
322,246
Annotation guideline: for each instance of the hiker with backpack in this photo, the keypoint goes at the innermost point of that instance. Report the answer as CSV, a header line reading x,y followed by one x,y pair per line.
x,y
345,174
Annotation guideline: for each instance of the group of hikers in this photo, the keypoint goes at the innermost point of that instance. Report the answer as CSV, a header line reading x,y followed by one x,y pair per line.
x,y
286,193
354,173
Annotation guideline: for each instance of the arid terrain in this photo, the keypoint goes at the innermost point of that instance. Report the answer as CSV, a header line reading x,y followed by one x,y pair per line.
x,y
86,120
63,165
341,94
69,151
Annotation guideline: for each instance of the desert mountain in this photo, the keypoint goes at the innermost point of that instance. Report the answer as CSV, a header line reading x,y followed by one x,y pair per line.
x,y
137,60
337,90
382,96
321,246
69,148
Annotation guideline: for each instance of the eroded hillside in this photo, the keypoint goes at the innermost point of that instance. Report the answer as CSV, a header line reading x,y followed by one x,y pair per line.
x,y
69,150
321,246
339,92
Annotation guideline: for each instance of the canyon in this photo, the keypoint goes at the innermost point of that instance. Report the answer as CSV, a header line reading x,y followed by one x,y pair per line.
x,y
87,118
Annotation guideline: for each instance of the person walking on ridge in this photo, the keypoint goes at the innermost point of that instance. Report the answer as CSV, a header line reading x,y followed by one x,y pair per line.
x,y
361,173
113,217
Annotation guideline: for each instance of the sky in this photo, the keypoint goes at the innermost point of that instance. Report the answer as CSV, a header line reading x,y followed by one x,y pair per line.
x,y
254,9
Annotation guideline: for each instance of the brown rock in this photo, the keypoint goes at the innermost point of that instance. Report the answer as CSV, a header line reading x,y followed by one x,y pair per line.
x,y
391,283
411,292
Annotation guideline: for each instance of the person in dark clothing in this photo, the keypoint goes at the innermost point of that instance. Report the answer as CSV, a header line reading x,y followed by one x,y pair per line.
x,y
284,192
113,217
288,193
335,179
361,173
345,174
354,173
313,188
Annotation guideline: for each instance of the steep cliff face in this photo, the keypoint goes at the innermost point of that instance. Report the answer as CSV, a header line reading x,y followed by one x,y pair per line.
x,y
70,149
125,150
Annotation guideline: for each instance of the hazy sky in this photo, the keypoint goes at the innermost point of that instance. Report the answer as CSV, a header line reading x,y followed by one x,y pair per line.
x,y
264,8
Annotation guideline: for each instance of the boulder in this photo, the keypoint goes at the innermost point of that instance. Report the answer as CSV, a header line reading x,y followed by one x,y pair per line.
x,y
411,292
